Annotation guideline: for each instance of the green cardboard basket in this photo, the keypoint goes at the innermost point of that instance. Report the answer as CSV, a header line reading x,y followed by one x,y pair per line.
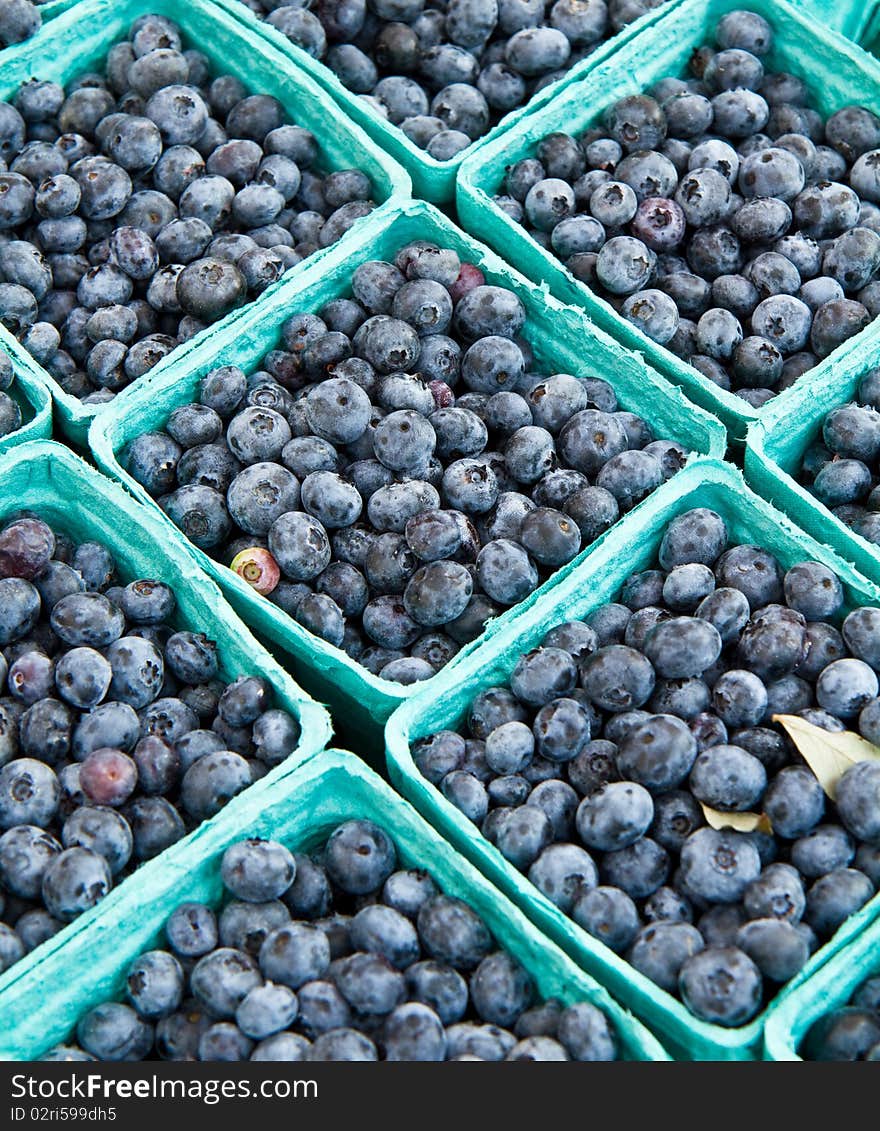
x,y
561,337
74,498
300,811
79,40
831,987
858,21
597,581
838,73
850,17
30,392
432,180
775,448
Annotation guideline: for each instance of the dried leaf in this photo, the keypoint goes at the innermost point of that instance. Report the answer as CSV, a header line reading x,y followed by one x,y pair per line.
x,y
741,822
829,755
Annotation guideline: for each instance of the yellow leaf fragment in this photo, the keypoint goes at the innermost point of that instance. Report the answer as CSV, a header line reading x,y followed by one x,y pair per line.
x,y
741,822
828,755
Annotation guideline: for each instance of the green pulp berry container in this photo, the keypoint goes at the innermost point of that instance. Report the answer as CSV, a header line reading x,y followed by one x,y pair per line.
x,y
562,340
829,989
31,394
774,455
595,582
78,41
850,17
838,73
432,179
300,811
73,498
857,21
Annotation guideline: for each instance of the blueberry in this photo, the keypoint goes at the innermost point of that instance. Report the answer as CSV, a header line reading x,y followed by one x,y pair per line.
x,y
322,1008
658,753
844,687
661,950
212,781
614,816
500,989
728,778
608,914
359,857
638,869
721,985
74,882
222,979
25,853
587,1034
841,1035
29,793
439,987
855,792
794,802
667,905
114,1032
739,698
719,865
154,984
451,933
103,831
191,930
617,678
256,870
834,897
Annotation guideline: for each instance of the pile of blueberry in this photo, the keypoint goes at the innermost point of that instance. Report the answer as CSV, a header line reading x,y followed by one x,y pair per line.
x,y
447,73
590,771
19,20
842,468
10,413
117,734
720,214
140,206
397,472
848,1033
336,956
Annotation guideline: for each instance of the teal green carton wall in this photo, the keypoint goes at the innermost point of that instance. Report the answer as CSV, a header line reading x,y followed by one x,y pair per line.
x,y
829,989
775,448
859,22
850,17
597,581
837,72
432,180
300,811
31,394
79,39
562,339
74,498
